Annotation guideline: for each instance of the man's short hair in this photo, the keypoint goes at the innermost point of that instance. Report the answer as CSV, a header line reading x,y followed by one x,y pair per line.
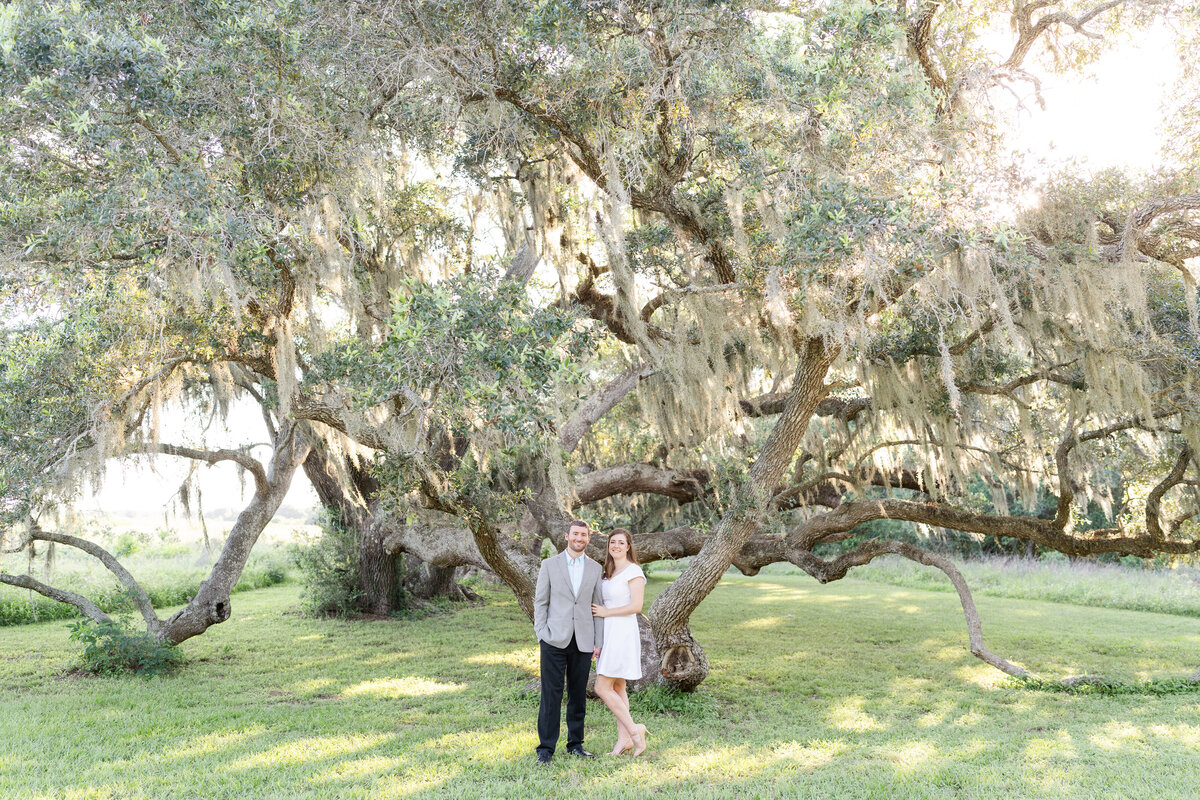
x,y
578,523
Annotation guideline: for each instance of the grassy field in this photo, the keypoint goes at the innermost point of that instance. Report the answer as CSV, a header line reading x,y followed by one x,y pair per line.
x,y
853,690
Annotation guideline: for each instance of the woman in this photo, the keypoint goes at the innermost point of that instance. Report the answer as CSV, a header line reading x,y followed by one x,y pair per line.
x,y
623,587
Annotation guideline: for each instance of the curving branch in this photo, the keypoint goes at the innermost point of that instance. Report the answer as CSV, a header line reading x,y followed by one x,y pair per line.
x,y
85,606
211,457
1047,533
140,599
342,419
827,488
772,403
603,307
1154,498
1006,389
919,37
670,544
211,604
682,485
826,571
1067,487
442,546
1028,29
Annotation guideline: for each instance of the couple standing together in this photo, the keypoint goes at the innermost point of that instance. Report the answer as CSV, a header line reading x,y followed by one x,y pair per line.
x,y
582,611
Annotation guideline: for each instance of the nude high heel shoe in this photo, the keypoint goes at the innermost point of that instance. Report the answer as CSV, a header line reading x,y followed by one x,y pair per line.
x,y
621,746
639,739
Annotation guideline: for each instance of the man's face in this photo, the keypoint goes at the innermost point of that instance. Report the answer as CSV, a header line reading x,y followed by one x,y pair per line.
x,y
577,539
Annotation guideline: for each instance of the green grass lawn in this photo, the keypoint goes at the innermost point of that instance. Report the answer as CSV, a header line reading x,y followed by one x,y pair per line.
x,y
852,690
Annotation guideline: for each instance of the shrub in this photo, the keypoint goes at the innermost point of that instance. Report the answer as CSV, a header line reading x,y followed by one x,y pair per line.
x,y
113,648
128,543
329,570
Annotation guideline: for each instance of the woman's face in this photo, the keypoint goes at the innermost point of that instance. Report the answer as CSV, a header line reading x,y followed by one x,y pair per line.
x,y
618,546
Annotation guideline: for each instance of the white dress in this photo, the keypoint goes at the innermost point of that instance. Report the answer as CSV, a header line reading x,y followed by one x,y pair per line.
x,y
621,655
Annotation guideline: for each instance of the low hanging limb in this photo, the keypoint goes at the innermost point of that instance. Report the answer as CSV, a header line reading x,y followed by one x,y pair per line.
x,y
134,589
85,606
826,571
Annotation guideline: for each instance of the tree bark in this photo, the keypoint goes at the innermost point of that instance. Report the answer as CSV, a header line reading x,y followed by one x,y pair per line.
x,y
684,663
378,578
211,604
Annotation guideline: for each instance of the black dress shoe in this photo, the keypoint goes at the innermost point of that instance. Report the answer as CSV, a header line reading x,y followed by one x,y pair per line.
x,y
544,757
579,752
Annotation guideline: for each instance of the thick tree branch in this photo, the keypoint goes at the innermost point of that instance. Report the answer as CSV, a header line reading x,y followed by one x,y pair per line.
x,y
1046,533
211,457
919,38
684,486
1007,389
1154,498
210,605
826,571
85,606
344,420
593,409
603,307
442,546
1029,30
136,593
773,402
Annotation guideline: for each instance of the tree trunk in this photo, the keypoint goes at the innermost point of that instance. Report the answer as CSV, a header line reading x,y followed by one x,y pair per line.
x,y
378,578
684,664
351,495
211,604
650,662
426,581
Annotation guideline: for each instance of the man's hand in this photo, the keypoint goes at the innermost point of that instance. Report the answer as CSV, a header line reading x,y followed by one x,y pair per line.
x,y
595,653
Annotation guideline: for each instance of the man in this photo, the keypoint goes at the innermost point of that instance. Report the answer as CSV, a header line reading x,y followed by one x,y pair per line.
x,y
567,586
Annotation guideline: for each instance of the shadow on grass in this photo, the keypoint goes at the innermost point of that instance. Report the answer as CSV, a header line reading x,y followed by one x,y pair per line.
x,y
845,693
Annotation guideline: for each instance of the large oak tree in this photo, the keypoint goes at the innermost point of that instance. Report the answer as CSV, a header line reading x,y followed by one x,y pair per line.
x,y
789,294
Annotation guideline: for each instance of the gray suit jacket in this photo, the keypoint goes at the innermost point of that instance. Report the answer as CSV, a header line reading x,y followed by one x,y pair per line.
x,y
558,614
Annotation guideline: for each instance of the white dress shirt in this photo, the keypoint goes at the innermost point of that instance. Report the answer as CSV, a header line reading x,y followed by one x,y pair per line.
x,y
575,572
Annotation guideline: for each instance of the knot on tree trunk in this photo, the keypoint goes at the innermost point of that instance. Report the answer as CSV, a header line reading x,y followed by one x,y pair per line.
x,y
219,611
683,664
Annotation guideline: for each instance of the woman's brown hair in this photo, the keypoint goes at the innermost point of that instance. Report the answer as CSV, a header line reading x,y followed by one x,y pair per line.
x,y
609,564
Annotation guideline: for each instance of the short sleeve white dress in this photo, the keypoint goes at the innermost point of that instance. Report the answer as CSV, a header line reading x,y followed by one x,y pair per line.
x,y
621,656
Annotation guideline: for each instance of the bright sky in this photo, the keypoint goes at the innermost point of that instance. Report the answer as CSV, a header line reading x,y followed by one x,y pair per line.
x,y
140,491
1108,117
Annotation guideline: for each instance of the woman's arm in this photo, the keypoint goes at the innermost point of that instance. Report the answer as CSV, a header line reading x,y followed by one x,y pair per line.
x,y
637,593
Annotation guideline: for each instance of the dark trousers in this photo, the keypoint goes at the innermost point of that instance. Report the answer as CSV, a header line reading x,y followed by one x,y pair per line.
x,y
557,663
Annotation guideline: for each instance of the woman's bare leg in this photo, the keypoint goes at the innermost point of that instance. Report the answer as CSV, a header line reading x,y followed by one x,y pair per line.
x,y
619,687
607,692
626,741
636,732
